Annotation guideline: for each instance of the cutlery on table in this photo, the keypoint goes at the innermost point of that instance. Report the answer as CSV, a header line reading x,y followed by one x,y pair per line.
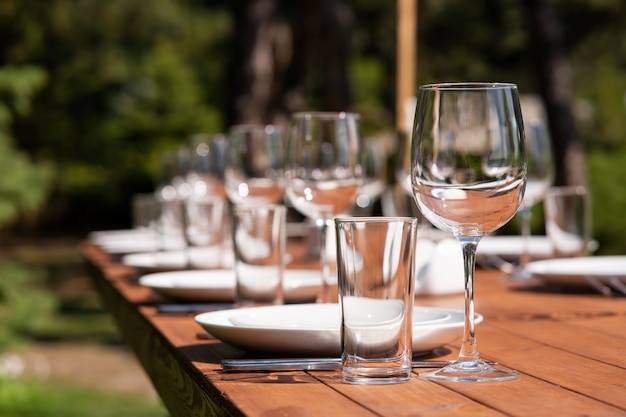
x,y
305,364
192,308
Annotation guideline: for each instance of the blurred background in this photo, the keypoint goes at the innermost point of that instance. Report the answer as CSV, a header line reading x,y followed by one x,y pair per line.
x,y
92,92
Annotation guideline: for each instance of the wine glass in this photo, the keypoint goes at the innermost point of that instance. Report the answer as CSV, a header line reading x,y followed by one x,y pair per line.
x,y
255,158
374,169
468,172
206,180
323,174
539,178
206,172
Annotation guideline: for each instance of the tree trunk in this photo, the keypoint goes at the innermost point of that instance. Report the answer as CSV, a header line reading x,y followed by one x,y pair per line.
x,y
277,70
554,79
260,40
318,77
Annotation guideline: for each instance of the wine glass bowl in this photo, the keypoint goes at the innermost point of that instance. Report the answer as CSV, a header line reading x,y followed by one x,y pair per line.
x,y
540,173
206,172
254,164
468,174
539,178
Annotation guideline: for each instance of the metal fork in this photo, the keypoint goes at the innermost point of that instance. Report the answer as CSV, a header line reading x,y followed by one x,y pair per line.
x,y
615,285
618,285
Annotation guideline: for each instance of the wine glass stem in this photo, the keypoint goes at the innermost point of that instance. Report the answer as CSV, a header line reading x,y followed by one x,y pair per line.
x,y
525,213
469,349
325,295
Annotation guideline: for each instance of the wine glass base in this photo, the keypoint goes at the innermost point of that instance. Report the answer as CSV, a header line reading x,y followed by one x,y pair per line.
x,y
521,278
470,371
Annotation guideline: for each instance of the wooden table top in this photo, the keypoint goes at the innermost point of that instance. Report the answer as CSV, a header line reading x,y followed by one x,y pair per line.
x,y
569,348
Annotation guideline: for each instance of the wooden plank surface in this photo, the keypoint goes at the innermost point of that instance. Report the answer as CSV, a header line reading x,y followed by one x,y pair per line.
x,y
569,348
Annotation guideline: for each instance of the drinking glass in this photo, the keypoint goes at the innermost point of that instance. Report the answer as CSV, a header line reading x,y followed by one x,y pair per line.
x,y
203,231
323,174
468,173
376,262
259,241
206,180
144,213
255,158
568,221
539,177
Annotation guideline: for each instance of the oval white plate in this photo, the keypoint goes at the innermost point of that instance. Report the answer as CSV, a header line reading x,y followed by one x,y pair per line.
x,y
574,270
176,259
314,329
277,319
218,285
510,247
124,241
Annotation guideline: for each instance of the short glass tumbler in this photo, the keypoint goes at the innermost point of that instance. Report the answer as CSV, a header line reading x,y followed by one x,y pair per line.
x,y
259,238
376,274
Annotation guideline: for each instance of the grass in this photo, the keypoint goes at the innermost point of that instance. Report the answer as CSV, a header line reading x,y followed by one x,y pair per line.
x,y
36,398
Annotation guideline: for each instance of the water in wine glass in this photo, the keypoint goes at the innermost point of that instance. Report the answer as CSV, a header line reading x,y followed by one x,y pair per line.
x,y
468,174
476,210
249,190
322,199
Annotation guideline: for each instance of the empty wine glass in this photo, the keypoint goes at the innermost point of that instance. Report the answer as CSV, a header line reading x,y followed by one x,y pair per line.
x,y
374,168
255,160
206,172
206,180
323,174
539,177
468,170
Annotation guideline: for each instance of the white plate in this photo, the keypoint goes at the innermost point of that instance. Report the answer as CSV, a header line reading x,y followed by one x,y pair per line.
x,y
178,259
510,247
314,329
124,241
129,246
109,234
574,270
218,285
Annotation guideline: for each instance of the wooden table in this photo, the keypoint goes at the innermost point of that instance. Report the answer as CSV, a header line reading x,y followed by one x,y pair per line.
x,y
569,348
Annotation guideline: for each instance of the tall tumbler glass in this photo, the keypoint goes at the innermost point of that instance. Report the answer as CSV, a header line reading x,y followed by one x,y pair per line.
x,y
376,271
203,231
259,243
568,220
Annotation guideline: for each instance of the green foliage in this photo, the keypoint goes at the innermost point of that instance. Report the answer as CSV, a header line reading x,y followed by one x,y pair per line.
x,y
607,176
23,184
25,304
597,56
126,82
34,398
